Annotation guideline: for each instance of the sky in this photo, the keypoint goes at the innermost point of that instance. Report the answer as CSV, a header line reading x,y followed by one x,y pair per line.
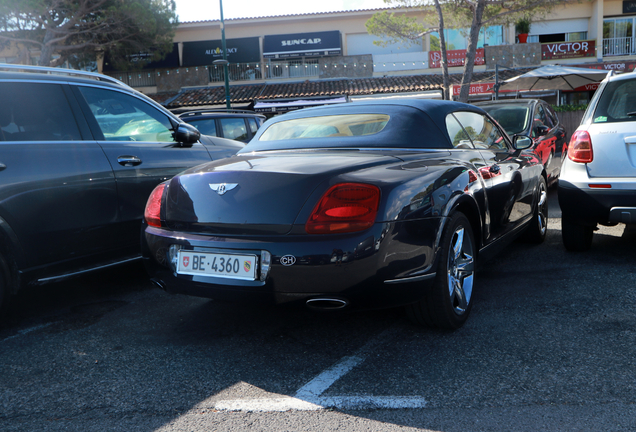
x,y
198,10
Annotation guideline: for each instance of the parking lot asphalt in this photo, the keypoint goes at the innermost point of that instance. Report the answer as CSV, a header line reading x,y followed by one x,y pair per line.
x,y
550,345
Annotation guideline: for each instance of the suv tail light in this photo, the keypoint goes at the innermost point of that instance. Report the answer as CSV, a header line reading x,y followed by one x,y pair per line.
x,y
152,214
345,207
580,148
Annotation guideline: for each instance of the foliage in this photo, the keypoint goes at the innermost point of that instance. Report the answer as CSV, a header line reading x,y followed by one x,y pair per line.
x,y
77,30
522,26
570,107
457,14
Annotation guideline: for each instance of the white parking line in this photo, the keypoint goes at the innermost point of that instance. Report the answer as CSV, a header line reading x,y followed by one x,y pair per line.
x,y
322,382
308,397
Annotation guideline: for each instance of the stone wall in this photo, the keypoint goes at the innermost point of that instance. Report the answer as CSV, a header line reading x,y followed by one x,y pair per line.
x,y
511,56
346,66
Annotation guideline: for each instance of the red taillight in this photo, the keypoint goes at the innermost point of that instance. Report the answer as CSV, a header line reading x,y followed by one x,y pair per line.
x,y
152,214
345,207
580,149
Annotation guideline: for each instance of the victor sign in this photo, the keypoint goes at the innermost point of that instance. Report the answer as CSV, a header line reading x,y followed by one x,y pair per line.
x,y
563,50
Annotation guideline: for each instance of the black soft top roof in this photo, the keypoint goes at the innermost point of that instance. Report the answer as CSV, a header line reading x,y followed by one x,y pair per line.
x,y
414,123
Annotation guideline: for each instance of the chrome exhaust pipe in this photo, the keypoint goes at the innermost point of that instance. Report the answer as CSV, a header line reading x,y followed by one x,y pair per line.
x,y
327,303
158,283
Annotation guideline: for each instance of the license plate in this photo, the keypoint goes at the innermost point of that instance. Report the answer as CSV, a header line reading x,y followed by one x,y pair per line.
x,y
231,266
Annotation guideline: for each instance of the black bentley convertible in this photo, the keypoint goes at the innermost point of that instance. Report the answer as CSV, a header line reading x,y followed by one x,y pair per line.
x,y
360,205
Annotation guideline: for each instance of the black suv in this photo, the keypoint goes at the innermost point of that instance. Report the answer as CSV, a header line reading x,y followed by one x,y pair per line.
x,y
238,125
79,155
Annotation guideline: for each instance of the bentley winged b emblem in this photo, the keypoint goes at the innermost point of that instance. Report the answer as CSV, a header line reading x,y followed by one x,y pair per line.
x,y
221,188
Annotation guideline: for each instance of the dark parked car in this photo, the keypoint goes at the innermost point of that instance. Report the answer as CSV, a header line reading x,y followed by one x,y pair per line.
x,y
238,125
598,177
79,155
359,205
536,119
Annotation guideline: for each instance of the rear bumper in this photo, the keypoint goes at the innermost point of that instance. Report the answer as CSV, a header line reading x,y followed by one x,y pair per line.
x,y
592,206
389,265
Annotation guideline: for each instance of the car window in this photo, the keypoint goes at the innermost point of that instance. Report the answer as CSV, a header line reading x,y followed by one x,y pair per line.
x,y
552,116
253,125
234,128
617,102
481,130
346,125
205,126
122,117
546,114
36,112
513,118
539,119
457,134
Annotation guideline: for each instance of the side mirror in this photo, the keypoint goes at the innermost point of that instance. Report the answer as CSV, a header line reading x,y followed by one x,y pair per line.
x,y
522,142
186,134
542,130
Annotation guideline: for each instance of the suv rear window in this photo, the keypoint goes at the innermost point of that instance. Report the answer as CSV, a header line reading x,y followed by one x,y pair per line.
x,y
617,103
36,112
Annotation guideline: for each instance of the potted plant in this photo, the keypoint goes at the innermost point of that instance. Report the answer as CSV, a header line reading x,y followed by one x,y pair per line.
x,y
522,27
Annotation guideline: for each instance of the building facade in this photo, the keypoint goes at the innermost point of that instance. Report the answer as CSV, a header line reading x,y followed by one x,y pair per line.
x,y
331,54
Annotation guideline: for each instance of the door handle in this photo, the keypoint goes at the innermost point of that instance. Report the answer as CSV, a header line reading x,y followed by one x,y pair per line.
x,y
2,166
128,160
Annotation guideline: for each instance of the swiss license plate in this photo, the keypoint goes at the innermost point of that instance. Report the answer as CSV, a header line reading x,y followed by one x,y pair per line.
x,y
232,266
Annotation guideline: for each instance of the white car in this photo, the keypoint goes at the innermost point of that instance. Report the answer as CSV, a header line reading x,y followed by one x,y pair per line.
x,y
598,178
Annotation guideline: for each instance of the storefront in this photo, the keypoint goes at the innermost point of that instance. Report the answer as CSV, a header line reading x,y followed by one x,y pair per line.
x,y
317,44
201,53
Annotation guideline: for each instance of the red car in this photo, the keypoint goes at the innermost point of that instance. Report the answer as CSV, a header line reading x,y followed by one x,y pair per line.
x,y
536,119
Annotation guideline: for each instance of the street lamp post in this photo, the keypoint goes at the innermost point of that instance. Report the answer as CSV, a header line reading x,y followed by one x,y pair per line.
x,y
225,63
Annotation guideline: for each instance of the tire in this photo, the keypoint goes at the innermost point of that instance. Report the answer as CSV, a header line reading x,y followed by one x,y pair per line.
x,y
576,236
4,290
447,303
538,228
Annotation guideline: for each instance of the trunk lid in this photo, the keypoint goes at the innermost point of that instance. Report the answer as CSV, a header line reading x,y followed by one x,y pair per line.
x,y
614,147
257,193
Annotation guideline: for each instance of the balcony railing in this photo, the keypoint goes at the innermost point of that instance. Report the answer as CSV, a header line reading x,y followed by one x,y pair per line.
x,y
136,79
270,70
237,72
619,46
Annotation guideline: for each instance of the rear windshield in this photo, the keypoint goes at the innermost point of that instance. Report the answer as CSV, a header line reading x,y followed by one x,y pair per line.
x,y
617,103
346,125
513,118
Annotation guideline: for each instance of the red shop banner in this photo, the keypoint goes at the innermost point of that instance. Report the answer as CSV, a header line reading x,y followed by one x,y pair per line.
x,y
627,66
455,58
565,50
475,88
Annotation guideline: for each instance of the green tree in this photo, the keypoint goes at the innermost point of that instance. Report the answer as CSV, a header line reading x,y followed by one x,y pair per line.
x,y
77,30
456,14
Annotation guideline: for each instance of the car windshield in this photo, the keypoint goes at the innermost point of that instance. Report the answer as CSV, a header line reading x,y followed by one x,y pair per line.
x,y
513,118
617,103
347,125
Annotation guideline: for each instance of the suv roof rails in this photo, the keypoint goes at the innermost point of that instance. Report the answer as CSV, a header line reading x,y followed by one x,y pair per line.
x,y
219,110
61,71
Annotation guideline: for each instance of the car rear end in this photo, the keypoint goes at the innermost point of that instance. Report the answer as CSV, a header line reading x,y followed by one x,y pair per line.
x,y
598,177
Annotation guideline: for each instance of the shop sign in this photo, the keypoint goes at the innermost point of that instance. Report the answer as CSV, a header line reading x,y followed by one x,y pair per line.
x,y
629,6
240,50
455,58
586,87
315,44
618,66
564,50
475,88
